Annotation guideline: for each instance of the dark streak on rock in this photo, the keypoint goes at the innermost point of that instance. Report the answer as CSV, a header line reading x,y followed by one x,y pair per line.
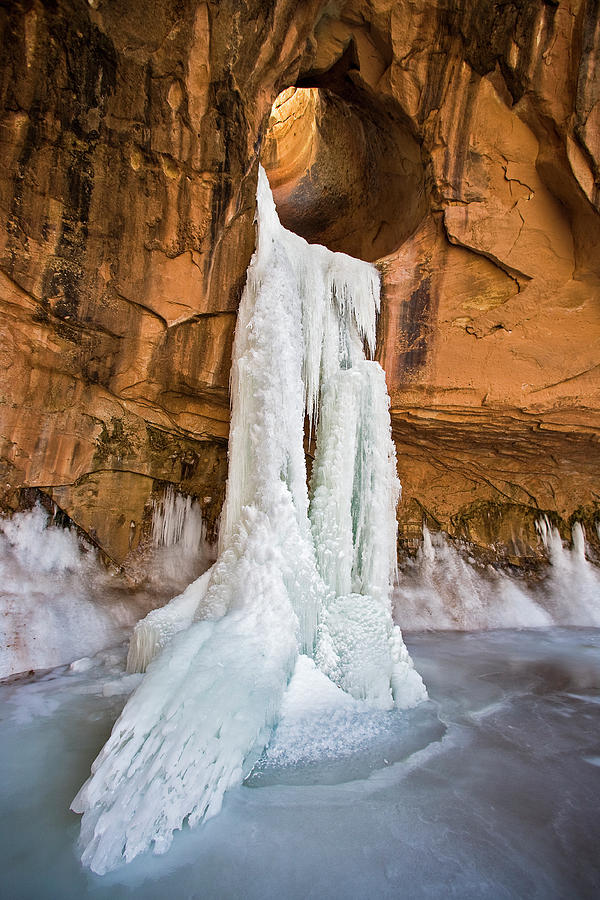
x,y
233,125
414,329
77,74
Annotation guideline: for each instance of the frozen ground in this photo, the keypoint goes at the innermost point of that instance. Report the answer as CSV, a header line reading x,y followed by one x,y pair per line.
x,y
490,789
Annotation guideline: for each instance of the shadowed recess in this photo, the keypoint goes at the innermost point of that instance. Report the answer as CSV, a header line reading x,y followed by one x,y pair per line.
x,y
344,175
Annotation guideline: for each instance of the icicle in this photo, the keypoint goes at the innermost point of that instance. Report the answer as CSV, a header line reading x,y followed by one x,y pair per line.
x,y
571,576
443,588
177,519
355,490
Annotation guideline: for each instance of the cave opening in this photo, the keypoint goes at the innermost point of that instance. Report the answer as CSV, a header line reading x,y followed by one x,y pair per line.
x,y
345,171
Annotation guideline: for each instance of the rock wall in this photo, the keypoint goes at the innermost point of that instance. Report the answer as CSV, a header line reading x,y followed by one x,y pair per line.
x,y
130,140
456,143
490,335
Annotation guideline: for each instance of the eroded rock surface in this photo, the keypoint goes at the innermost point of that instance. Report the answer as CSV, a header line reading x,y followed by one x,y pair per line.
x,y
490,335
456,143
130,141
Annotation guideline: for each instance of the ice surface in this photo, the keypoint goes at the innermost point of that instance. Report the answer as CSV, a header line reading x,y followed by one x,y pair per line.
x,y
223,652
488,790
152,633
443,588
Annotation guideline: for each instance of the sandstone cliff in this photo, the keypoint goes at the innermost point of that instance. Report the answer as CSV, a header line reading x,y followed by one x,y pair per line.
x,y
455,143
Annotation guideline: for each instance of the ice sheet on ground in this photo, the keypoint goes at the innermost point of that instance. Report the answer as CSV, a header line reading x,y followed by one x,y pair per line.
x,y
503,806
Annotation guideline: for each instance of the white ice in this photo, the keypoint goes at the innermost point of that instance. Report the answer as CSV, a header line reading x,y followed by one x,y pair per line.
x,y
210,698
152,633
573,583
444,588
489,790
177,520
57,602
354,494
179,550
180,542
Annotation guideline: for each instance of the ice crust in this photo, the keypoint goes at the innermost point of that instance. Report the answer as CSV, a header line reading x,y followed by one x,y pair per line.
x,y
291,577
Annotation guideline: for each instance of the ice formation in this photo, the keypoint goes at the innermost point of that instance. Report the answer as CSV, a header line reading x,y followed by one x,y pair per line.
x,y
57,601
177,519
292,577
152,633
573,584
180,549
444,588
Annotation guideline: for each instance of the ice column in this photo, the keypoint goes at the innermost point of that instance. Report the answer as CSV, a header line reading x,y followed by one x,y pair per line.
x,y
288,580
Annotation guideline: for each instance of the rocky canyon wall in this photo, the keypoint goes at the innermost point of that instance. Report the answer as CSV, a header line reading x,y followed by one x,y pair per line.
x,y
454,143
130,141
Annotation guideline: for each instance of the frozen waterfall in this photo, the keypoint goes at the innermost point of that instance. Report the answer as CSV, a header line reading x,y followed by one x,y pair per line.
x,y
296,575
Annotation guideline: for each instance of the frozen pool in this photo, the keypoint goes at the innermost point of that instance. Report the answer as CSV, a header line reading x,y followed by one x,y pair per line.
x,y
490,789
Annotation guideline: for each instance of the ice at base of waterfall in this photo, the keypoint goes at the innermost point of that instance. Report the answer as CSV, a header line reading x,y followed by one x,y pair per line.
x,y
490,789
58,601
444,587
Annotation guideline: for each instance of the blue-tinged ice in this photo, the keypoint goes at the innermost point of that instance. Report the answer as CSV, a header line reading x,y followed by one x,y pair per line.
x,y
292,577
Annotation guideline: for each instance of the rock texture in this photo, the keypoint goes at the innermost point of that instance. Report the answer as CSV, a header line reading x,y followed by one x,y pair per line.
x,y
491,328
130,140
454,142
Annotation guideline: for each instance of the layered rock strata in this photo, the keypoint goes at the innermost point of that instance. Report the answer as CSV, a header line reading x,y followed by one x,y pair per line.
x,y
455,143
130,140
490,335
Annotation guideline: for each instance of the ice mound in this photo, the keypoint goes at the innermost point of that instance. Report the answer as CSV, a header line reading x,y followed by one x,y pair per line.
x,y
57,601
325,736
